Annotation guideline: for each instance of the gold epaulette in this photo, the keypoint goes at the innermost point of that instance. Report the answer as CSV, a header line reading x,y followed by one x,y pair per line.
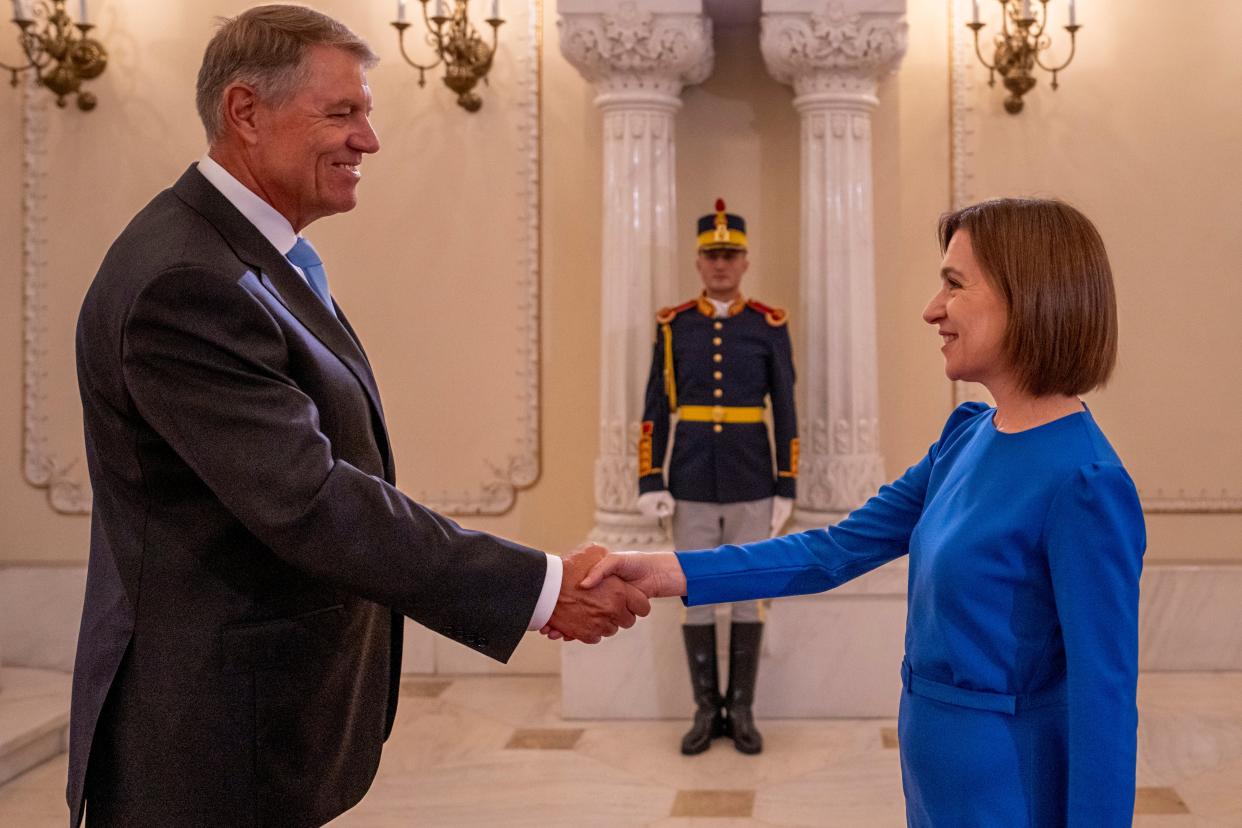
x,y
775,316
668,314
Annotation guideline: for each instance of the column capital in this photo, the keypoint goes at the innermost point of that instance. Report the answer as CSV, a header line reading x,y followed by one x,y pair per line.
x,y
833,50
637,51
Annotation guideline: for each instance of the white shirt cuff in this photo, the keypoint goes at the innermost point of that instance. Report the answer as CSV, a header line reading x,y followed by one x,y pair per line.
x,y
551,591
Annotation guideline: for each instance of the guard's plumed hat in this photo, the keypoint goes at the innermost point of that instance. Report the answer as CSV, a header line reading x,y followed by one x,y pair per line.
x,y
721,230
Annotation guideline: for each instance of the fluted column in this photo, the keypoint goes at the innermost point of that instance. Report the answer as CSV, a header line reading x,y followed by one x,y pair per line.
x,y
834,53
638,54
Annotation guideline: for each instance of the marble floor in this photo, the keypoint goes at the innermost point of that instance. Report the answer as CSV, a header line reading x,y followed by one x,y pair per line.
x,y
493,751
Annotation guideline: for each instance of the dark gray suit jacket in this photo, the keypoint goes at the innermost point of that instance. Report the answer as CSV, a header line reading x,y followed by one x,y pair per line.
x,y
239,657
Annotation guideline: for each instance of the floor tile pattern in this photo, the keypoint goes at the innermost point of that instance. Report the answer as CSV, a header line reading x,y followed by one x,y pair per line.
x,y
544,738
713,804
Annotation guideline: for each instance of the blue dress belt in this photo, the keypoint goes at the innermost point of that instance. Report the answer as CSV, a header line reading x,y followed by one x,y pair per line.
x,y
979,699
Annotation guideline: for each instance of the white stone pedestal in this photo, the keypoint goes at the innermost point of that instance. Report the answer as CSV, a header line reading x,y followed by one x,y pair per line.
x,y
833,655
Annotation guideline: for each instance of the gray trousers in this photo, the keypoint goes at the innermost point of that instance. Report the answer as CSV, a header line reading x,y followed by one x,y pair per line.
x,y
706,525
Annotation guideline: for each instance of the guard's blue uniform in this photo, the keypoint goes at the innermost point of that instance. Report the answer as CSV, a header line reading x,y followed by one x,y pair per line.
x,y
722,370
1022,634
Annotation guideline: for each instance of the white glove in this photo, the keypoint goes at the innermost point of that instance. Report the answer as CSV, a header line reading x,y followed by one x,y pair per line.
x,y
656,504
782,508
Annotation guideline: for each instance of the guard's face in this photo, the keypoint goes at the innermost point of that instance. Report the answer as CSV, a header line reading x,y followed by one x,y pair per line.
x,y
970,315
310,147
721,272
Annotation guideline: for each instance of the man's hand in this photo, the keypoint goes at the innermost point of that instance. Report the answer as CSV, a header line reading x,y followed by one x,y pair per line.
x,y
656,504
591,614
657,574
782,508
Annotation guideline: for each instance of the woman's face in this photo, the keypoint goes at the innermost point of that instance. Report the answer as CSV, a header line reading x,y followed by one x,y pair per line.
x,y
970,316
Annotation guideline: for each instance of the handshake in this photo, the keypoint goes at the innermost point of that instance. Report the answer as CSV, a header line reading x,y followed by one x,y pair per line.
x,y
602,591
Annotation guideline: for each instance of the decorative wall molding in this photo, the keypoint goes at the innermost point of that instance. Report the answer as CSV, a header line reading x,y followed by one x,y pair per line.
x,y
964,114
1158,502
520,469
963,122
67,494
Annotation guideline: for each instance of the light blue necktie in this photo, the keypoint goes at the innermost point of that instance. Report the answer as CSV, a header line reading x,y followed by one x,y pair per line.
x,y
304,256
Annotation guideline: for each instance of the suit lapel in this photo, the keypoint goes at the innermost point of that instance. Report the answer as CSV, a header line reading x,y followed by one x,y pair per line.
x,y
280,278
390,471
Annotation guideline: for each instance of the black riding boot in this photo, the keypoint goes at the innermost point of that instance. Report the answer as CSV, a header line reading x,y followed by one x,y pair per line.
x,y
708,721
744,641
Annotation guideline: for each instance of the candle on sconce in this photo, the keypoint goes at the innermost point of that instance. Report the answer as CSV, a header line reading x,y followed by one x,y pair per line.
x,y
1073,14
1026,9
82,18
974,11
17,10
400,11
495,9
440,8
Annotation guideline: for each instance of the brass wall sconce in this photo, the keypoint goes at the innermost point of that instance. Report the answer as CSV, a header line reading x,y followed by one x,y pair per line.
x,y
457,44
60,57
1018,45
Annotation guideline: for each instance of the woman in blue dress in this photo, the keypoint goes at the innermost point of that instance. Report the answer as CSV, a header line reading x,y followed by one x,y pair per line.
x,y
1025,538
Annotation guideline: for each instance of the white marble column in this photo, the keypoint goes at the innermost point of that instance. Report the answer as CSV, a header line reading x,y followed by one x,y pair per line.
x,y
834,53
638,55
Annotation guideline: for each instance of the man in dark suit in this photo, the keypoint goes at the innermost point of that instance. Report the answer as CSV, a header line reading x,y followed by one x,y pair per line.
x,y
240,650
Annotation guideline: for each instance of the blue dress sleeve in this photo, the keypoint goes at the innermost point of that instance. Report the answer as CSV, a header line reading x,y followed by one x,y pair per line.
x,y
820,559
1095,538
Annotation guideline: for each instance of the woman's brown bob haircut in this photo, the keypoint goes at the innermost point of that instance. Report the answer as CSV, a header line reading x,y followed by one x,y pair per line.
x,y
1048,262
266,47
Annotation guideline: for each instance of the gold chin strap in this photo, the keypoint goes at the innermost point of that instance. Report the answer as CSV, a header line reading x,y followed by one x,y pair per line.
x,y
670,379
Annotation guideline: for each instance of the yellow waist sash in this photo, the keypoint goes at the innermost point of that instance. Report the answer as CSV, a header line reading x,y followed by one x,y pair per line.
x,y
721,413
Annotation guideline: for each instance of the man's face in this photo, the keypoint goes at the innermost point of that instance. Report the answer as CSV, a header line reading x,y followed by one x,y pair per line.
x,y
307,157
721,272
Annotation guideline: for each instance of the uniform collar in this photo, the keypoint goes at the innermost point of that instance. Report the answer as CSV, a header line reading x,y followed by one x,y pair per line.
x,y
708,308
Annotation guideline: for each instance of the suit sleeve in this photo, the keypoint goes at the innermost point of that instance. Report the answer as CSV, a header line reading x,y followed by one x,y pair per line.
x,y
1095,540
784,414
820,559
207,367
654,429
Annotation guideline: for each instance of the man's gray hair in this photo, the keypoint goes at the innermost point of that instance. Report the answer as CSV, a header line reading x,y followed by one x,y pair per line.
x,y
265,48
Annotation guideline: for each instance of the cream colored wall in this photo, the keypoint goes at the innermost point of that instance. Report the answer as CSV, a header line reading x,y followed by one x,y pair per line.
x,y
1142,154
1148,149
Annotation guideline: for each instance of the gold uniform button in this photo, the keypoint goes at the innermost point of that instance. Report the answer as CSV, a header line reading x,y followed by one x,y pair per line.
x,y
717,393
717,375
717,428
716,340
719,326
717,358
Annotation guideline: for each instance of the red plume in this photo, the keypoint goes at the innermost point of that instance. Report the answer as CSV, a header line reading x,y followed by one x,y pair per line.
x,y
720,205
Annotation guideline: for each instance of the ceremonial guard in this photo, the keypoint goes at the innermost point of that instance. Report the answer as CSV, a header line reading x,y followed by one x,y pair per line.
x,y
716,359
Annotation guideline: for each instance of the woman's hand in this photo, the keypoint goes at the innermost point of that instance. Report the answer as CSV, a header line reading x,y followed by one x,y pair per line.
x,y
657,574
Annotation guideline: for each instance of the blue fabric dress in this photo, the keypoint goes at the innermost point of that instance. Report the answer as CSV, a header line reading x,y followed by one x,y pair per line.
x,y
1022,631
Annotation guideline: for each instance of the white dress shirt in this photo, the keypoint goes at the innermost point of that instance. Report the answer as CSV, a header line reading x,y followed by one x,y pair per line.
x,y
276,229
722,307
